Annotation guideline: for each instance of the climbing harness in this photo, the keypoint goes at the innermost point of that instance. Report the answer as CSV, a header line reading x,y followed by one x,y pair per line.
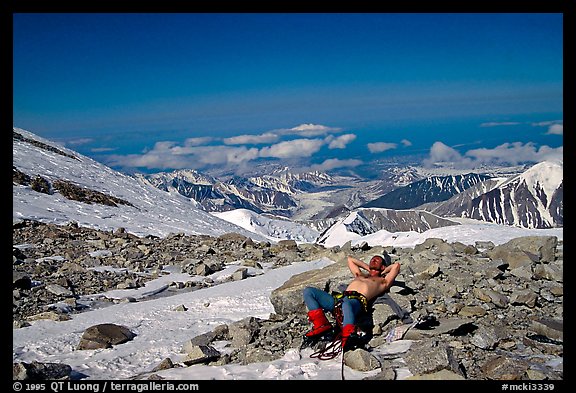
x,y
351,295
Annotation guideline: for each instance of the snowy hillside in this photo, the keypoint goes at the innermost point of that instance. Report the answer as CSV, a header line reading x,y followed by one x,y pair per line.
x,y
370,226
272,228
154,212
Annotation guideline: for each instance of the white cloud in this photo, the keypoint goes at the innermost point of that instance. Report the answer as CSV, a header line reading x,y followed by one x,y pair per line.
x,y
379,147
546,123
406,142
439,152
102,149
267,137
79,141
185,150
308,130
198,141
168,155
150,160
339,142
499,123
163,146
515,153
504,154
556,129
225,154
291,149
334,163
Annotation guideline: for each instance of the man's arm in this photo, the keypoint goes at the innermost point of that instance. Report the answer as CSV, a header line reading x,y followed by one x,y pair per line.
x,y
355,264
390,274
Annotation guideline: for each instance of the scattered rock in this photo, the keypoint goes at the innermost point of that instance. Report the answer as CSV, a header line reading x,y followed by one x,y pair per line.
x,y
484,311
201,354
37,371
104,335
361,360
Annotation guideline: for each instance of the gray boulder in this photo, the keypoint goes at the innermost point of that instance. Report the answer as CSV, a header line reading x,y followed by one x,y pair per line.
x,y
105,335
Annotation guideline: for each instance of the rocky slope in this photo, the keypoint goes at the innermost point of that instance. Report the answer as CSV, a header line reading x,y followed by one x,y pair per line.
x,y
481,312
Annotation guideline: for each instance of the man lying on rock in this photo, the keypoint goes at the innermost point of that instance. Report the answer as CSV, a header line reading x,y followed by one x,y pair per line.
x,y
364,287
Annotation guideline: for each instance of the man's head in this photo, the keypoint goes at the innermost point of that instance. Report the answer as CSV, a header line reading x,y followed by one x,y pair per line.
x,y
378,263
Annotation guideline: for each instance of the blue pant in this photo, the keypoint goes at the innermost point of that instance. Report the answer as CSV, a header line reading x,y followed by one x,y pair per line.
x,y
315,298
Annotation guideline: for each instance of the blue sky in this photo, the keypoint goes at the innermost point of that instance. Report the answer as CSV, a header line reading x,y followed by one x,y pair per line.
x,y
151,92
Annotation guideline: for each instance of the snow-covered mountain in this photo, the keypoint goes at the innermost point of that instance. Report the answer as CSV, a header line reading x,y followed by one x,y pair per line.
x,y
210,194
292,183
533,199
274,228
45,172
447,208
430,189
362,222
46,175
273,194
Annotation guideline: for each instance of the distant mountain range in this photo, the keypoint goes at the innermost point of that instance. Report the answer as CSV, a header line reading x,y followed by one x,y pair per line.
x,y
430,189
531,199
273,194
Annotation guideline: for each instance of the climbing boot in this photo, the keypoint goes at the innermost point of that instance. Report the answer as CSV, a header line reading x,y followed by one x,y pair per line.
x,y
348,331
319,321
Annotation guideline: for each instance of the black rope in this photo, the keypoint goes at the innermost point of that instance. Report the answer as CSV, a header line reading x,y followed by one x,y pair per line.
x,y
334,348
342,367
331,350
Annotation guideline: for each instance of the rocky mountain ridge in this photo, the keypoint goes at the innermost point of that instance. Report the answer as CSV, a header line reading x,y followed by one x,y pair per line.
x,y
430,189
531,199
274,194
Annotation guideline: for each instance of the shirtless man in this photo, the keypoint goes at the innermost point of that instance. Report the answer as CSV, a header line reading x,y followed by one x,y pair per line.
x,y
363,288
